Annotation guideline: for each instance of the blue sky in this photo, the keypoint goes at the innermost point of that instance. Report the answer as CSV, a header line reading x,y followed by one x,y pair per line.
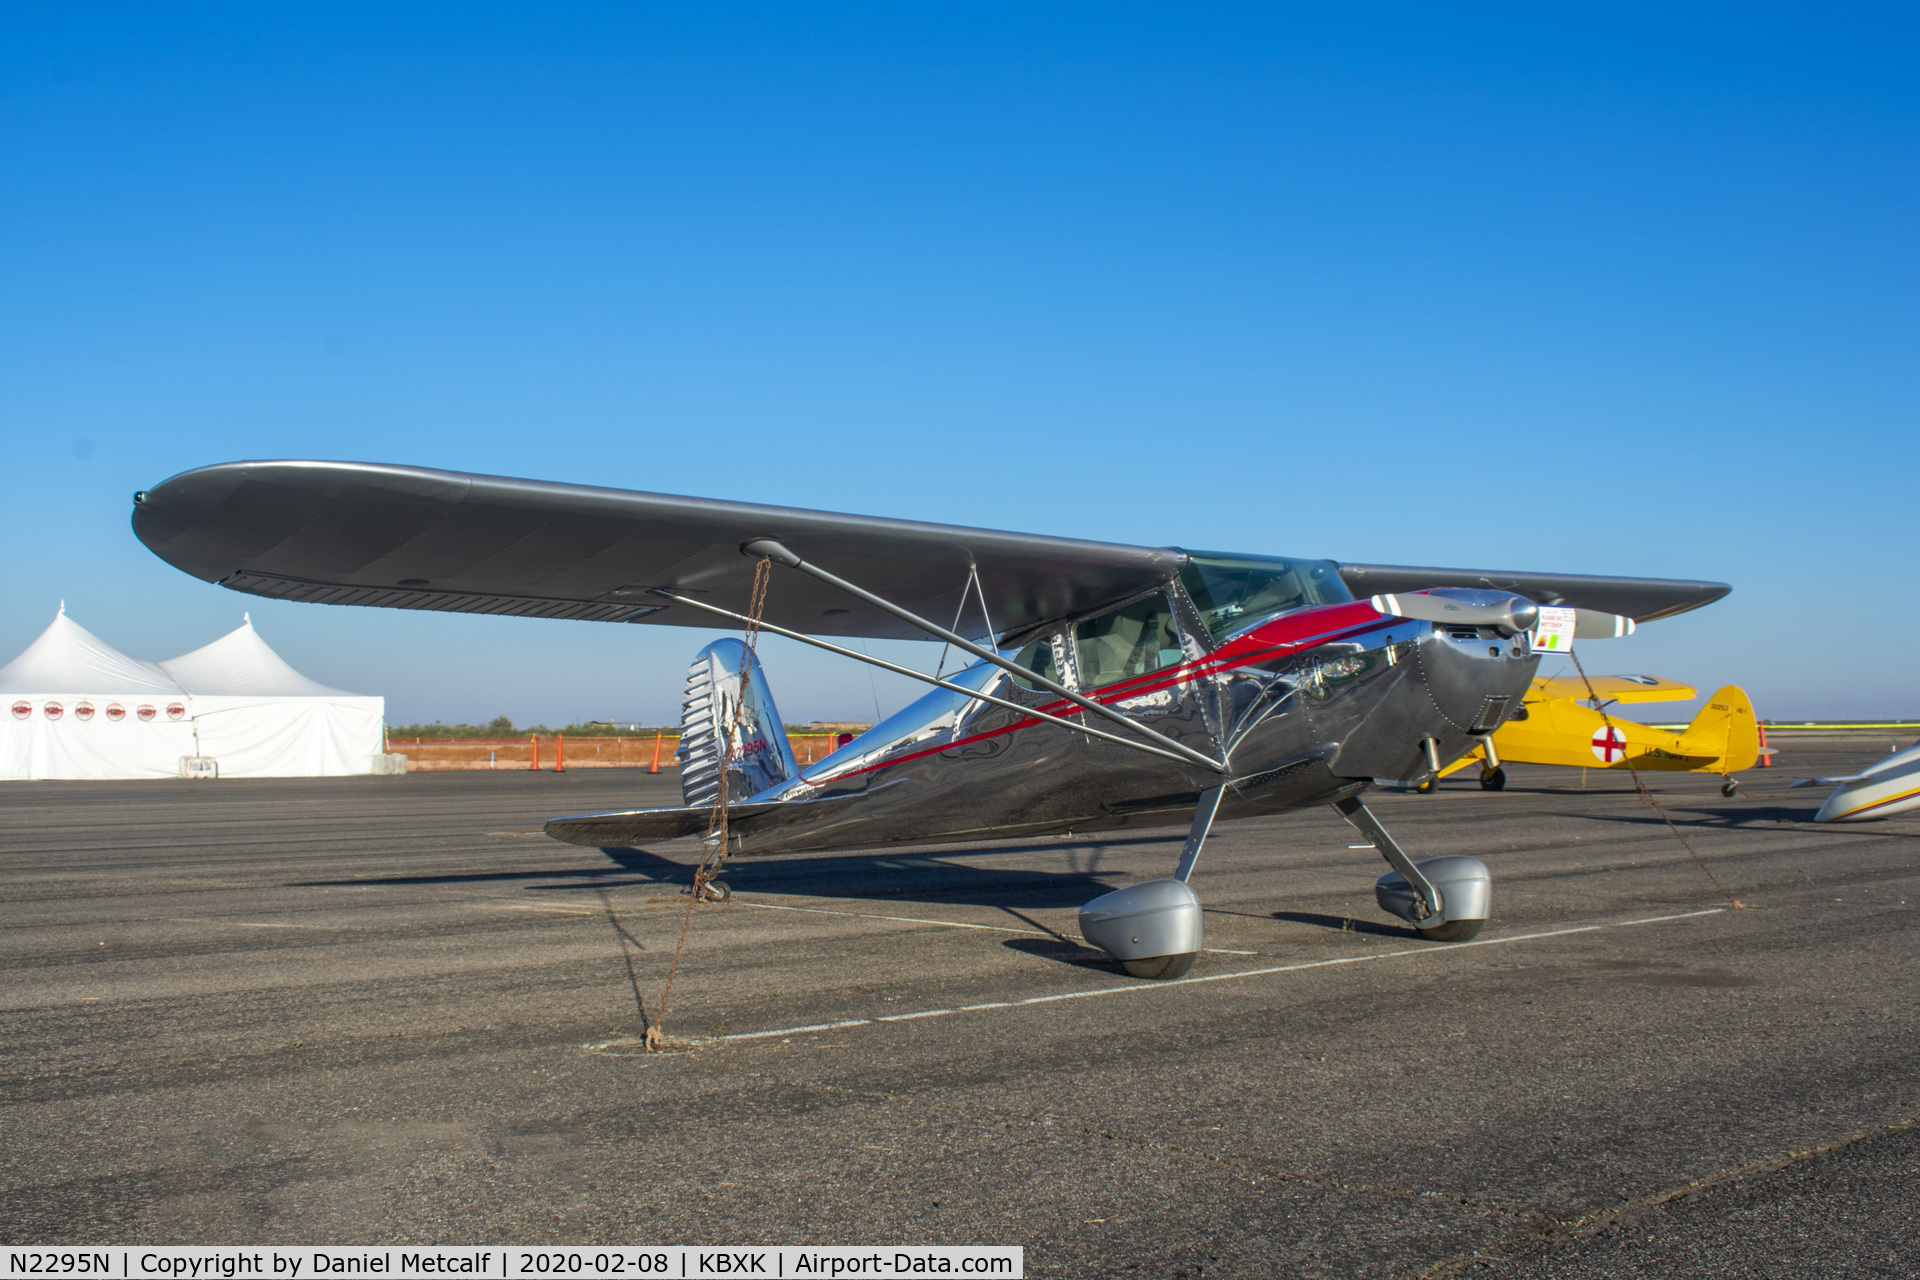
x,y
1604,289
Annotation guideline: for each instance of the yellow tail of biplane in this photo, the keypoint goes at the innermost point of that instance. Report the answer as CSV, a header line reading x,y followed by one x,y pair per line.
x,y
1725,727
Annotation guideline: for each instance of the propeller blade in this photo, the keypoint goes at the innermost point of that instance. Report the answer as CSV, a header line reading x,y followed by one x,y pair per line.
x,y
1591,624
1462,607
1476,607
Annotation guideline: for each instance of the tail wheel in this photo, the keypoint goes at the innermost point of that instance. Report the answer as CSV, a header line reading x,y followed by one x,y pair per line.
x,y
718,891
1729,788
1494,780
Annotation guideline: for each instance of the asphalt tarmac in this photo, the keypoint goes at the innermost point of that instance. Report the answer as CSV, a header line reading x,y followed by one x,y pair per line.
x,y
390,1011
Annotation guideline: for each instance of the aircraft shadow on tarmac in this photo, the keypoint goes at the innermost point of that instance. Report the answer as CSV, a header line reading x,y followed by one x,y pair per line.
x,y
1749,816
904,875
1343,924
1065,951
901,874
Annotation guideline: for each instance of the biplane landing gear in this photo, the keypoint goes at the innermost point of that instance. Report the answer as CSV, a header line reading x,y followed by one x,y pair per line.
x,y
1493,780
1729,788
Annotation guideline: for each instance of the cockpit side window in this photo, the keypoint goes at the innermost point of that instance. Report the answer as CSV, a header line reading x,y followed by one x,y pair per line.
x,y
1038,657
1130,641
1234,592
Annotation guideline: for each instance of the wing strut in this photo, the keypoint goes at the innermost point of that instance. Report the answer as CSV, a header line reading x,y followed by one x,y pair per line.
x,y
870,660
779,554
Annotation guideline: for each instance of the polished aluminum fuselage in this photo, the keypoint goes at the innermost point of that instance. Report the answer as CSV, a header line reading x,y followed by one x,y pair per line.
x,y
1305,708
1881,790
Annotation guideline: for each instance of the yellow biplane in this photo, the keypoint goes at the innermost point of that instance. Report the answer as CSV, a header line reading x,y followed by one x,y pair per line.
x,y
1558,724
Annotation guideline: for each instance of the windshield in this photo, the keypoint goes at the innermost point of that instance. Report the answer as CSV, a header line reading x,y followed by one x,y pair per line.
x,y
1234,592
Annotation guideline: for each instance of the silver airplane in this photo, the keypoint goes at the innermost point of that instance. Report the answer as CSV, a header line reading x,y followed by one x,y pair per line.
x,y
1880,790
1111,686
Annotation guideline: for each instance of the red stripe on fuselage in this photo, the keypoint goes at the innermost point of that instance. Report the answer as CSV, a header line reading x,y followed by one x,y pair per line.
x,y
1308,628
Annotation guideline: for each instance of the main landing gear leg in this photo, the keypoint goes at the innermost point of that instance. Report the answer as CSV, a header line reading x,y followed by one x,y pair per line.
x,y
1154,929
1446,898
1197,833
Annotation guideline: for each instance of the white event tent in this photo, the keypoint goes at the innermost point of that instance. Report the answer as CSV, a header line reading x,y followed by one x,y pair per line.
x,y
79,708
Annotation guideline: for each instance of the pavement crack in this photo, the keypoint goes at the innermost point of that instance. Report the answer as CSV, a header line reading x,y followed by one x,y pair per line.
x,y
1547,1229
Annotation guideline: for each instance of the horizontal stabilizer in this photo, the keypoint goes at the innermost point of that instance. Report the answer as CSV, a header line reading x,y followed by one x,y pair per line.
x,y
637,826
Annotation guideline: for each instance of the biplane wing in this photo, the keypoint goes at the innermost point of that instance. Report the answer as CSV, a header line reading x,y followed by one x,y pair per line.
x,y
1612,689
413,538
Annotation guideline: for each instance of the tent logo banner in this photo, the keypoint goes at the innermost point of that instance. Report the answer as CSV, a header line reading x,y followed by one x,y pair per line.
x,y
21,710
176,711
116,712
83,711
145,711
54,710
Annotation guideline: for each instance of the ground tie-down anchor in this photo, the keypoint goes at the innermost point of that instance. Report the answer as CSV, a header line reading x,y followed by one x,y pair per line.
x,y
713,854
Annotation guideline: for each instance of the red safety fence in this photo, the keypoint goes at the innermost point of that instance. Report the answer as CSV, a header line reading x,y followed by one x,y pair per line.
x,y
624,752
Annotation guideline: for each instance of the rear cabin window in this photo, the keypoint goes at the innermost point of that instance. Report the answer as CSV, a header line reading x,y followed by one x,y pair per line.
x,y
1038,658
1234,592
1127,642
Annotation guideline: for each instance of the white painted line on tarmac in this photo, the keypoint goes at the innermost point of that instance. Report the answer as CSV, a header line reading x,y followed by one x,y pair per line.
x,y
800,1031
1141,988
951,924
1684,915
545,908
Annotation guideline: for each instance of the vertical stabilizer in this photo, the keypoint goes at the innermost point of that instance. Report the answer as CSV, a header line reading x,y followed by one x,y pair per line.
x,y
1726,728
721,704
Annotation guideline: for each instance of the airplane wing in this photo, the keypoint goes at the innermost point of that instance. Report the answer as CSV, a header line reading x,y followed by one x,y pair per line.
x,y
1615,689
413,538
1642,599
